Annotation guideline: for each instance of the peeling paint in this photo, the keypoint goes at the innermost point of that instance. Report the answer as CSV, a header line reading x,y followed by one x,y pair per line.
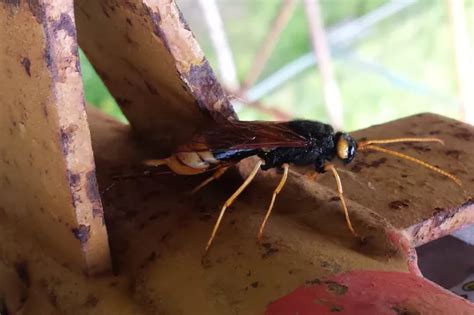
x,y
82,233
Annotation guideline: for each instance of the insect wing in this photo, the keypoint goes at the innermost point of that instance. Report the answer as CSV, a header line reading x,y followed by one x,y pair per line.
x,y
244,135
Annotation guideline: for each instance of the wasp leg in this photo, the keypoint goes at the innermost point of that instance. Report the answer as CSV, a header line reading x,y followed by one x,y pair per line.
x,y
286,167
218,173
341,197
230,201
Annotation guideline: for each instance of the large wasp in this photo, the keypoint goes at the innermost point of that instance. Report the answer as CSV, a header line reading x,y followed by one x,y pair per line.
x,y
277,145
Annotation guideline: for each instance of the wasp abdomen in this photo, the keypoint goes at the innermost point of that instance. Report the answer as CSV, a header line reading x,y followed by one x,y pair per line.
x,y
188,163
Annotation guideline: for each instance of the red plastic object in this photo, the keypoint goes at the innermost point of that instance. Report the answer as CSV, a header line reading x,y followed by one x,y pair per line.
x,y
371,292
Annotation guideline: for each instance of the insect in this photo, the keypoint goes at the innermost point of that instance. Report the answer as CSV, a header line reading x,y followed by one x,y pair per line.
x,y
277,145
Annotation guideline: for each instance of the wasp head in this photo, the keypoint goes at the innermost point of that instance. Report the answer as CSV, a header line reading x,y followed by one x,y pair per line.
x,y
346,147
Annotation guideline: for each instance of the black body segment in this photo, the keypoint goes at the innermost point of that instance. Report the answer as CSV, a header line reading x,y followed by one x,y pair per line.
x,y
319,148
308,143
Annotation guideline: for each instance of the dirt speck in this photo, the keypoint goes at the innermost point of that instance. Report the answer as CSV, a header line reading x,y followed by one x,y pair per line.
x,y
336,309
27,65
453,153
463,135
336,288
399,204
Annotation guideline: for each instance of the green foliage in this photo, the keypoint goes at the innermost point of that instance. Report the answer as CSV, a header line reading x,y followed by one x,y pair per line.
x,y
96,92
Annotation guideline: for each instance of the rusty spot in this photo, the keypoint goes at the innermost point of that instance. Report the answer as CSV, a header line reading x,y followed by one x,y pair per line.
x,y
129,21
269,250
420,148
91,301
15,3
82,233
442,216
48,58
97,212
156,21
165,236
151,88
37,9
357,167
27,65
336,288
53,298
92,189
464,135
399,204
105,11
130,40
66,24
67,135
183,21
454,153
417,229
400,310
123,102
7,181
376,163
467,203
336,309
74,179
207,90
21,269
45,110
206,262
437,210
152,256
313,282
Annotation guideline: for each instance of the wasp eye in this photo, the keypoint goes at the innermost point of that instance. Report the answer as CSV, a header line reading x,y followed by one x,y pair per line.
x,y
342,148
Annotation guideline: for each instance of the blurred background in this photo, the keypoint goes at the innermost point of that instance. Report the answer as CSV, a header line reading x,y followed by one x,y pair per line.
x,y
345,62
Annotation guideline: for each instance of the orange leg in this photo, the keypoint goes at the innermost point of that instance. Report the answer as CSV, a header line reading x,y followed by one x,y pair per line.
x,y
230,201
286,167
341,197
218,173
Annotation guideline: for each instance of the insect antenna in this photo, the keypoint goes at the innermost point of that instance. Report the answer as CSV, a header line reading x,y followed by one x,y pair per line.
x,y
362,144
366,146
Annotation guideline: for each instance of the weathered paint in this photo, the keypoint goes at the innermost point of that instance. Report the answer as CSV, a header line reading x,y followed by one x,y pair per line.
x,y
48,186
